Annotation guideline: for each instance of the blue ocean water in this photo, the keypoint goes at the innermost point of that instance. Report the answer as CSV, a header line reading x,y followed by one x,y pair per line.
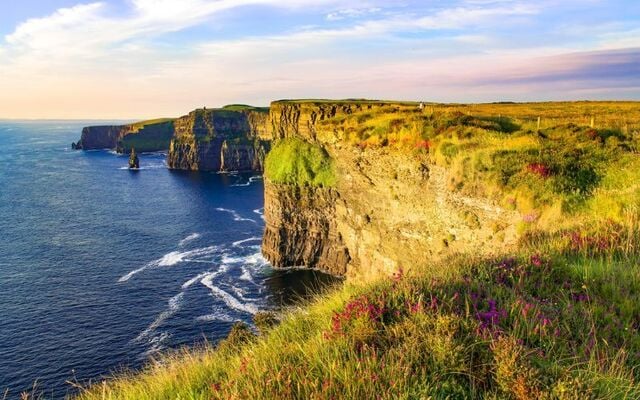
x,y
102,267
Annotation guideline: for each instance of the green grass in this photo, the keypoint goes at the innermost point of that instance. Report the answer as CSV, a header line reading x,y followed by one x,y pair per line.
x,y
245,107
548,321
559,173
151,135
295,161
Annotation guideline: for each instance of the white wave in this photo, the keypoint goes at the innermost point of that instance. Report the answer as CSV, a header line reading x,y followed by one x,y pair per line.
x,y
171,259
128,276
215,317
251,239
157,344
260,212
146,167
188,239
228,299
251,259
240,184
246,275
194,280
173,307
235,215
251,180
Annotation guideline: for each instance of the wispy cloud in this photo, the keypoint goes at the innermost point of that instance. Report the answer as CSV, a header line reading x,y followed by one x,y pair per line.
x,y
162,57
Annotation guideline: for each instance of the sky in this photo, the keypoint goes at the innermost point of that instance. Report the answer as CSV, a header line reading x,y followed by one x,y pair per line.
x,y
127,59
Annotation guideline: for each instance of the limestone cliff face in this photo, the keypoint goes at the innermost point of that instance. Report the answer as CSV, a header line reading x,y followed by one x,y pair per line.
x,y
144,136
390,209
101,137
290,118
302,230
220,140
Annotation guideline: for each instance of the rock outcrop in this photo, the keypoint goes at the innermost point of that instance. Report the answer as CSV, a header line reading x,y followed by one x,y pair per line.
x,y
220,140
232,138
134,162
390,209
302,230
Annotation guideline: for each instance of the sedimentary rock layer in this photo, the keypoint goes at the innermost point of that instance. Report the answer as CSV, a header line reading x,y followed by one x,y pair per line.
x,y
389,210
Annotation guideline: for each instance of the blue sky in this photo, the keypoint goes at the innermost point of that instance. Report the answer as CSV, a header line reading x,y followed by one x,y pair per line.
x,y
147,58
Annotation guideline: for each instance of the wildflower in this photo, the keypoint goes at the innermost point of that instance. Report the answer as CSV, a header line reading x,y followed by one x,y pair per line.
x,y
526,308
539,169
423,144
536,260
531,217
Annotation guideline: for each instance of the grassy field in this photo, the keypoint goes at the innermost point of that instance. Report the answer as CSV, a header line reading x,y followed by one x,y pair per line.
x,y
556,319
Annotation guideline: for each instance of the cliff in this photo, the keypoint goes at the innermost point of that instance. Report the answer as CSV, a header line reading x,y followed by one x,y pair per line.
x,y
152,135
234,138
389,208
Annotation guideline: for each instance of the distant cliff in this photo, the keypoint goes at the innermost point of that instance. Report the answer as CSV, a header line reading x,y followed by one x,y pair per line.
x,y
234,138
144,136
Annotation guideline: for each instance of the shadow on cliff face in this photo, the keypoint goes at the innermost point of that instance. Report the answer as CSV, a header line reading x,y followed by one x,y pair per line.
x,y
293,286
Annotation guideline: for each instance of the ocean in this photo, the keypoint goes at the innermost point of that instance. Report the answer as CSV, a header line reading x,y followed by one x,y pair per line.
x,y
102,268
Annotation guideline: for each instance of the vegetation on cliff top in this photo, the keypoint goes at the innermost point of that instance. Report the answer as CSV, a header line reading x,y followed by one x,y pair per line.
x,y
150,135
295,161
556,163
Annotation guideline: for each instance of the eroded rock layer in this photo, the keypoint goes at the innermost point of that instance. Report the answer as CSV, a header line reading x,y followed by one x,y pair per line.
x,y
301,229
389,210
220,140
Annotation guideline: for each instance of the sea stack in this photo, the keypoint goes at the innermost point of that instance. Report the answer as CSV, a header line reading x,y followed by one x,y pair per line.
x,y
134,163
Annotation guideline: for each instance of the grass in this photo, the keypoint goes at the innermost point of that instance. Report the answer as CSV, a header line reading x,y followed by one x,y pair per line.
x,y
557,174
245,107
151,135
550,321
295,161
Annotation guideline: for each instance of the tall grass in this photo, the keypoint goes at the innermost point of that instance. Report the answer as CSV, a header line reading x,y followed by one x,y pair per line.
x,y
551,321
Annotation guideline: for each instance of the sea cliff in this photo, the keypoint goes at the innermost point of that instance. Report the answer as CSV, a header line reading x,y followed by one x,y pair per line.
x,y
232,138
389,208
227,139
145,136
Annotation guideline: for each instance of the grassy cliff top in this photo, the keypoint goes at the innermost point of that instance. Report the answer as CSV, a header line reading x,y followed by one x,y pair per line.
x,y
556,163
344,101
556,320
245,107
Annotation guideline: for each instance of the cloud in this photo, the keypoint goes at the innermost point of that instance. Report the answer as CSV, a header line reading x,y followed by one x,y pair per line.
x,y
89,60
351,13
611,68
